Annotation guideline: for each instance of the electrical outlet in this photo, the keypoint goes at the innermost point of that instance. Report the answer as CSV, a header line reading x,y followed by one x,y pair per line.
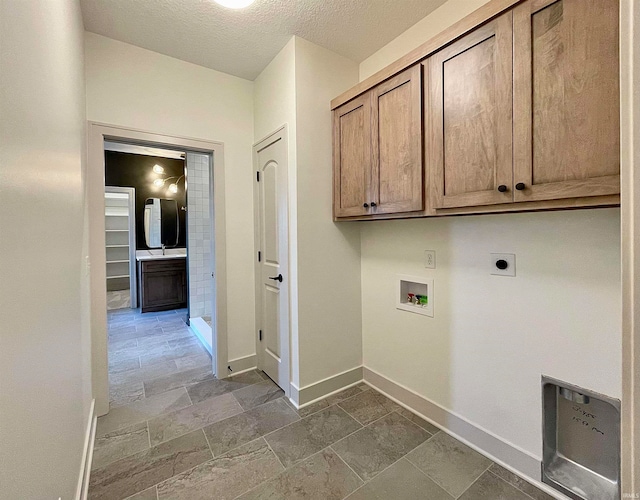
x,y
503,264
430,259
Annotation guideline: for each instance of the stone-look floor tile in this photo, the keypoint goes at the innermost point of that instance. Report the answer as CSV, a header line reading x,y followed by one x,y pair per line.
x,y
142,470
311,434
343,395
258,394
119,345
226,477
401,481
119,444
518,482
368,406
189,362
145,409
430,428
374,448
144,373
248,426
149,494
178,352
171,425
320,477
177,379
309,410
247,378
212,388
125,393
490,487
451,464
363,387
123,365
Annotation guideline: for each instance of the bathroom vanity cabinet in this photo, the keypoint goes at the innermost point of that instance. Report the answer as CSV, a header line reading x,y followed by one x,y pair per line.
x,y
163,284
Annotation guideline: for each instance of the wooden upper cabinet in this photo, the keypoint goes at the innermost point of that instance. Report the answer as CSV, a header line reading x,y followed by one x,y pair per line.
x,y
352,157
397,183
566,99
377,150
469,138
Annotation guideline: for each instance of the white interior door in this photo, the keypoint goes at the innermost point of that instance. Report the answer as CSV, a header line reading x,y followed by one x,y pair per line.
x,y
272,294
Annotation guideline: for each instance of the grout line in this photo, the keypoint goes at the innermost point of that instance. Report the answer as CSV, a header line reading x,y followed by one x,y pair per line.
x,y
364,481
148,434
275,454
511,484
475,481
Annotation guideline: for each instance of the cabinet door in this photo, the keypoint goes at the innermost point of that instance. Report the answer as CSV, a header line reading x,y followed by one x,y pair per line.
x,y
470,134
566,99
398,184
352,157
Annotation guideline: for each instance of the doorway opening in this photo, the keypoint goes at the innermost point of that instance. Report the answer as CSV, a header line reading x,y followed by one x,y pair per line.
x,y
152,240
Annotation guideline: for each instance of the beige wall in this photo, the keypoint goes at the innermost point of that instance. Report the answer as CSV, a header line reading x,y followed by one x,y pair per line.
x,y
329,318
492,338
140,89
44,349
441,18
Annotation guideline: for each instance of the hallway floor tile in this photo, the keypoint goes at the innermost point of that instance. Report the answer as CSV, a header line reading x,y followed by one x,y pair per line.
x,y
175,432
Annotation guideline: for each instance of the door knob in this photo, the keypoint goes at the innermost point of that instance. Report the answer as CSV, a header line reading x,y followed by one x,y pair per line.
x,y
520,186
276,278
502,188
366,205
374,204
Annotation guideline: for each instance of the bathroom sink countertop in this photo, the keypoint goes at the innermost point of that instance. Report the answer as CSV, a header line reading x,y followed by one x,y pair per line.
x,y
170,253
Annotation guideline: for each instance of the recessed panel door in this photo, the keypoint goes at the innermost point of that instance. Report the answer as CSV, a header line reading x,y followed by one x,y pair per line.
x,y
272,275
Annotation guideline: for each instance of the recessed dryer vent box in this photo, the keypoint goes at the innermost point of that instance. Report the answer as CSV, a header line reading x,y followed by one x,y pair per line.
x,y
581,441
415,295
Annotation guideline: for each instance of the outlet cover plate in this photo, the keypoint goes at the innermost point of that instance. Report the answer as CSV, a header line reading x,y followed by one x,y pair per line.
x,y
430,259
511,261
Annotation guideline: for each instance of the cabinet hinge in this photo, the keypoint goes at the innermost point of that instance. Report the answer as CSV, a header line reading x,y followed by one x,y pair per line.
x,y
258,176
259,256
260,335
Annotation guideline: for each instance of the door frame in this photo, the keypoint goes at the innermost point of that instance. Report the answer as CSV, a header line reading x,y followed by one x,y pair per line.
x,y
285,343
133,282
97,133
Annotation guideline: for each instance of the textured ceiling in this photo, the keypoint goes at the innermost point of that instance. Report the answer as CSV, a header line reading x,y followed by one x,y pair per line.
x,y
242,42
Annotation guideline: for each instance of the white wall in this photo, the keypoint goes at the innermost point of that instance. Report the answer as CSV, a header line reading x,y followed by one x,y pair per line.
x,y
44,372
491,339
329,317
274,101
140,89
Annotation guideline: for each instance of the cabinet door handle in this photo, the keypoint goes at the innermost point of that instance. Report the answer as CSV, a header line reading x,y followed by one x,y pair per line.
x,y
520,186
276,278
366,205
502,188
374,204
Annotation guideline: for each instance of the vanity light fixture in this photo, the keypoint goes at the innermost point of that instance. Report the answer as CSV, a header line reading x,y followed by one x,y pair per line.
x,y
173,188
158,182
158,169
235,4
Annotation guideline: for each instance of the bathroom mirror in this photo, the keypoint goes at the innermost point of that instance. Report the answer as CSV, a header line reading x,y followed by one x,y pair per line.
x,y
161,226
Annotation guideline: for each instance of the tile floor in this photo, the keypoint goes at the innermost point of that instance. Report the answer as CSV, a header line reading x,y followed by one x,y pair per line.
x,y
176,432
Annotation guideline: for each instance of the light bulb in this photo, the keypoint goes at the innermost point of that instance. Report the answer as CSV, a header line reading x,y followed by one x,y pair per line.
x,y
234,4
158,169
158,182
173,188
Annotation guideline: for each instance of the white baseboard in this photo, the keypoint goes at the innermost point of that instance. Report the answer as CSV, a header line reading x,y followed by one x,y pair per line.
x,y
203,331
497,449
309,394
241,365
87,455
